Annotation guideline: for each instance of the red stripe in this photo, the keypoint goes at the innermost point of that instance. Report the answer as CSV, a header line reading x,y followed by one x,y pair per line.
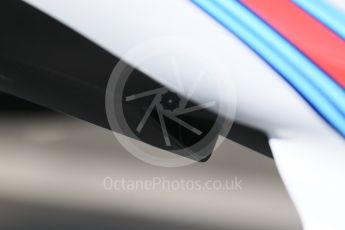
x,y
315,40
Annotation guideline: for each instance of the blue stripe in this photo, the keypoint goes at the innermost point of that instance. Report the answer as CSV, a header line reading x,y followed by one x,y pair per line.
x,y
326,13
313,84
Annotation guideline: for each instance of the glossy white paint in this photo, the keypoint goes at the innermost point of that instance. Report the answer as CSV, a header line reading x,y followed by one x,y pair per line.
x,y
309,153
338,3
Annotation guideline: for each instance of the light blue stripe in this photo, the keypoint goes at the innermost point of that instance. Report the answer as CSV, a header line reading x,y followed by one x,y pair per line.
x,y
276,44
320,91
326,13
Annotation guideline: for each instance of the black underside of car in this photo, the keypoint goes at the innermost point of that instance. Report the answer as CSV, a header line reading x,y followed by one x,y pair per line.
x,y
49,66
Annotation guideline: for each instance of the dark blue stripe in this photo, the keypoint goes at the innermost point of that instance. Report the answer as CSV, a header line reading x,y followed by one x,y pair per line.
x,y
324,95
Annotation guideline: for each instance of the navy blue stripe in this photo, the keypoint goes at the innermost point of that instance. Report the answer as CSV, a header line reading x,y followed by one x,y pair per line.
x,y
325,96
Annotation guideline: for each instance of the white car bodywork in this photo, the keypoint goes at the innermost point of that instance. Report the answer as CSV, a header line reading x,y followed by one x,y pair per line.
x,y
309,153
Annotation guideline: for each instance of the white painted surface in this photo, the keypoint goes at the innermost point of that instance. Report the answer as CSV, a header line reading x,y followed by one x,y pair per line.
x,y
339,4
302,141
